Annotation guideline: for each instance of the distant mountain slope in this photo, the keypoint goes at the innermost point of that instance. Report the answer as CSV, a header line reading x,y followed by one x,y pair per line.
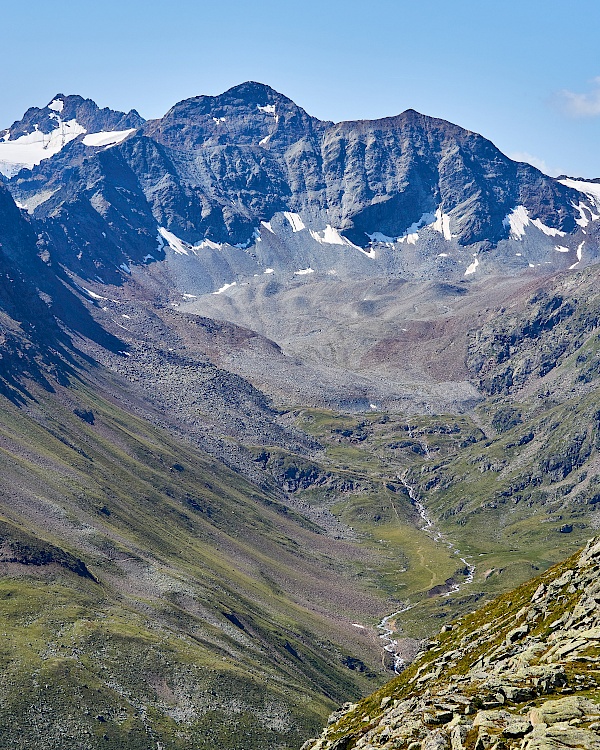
x,y
42,133
411,191
37,307
251,152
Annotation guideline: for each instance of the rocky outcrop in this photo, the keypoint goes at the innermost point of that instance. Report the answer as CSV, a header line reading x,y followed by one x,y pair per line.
x,y
18,546
522,672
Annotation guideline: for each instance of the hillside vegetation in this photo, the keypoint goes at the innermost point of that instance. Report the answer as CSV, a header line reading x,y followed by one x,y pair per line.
x,y
521,672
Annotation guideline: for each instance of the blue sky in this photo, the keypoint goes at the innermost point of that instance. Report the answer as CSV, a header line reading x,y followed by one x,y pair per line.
x,y
525,73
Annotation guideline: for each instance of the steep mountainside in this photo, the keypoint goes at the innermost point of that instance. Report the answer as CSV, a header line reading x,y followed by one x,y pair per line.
x,y
214,172
277,396
522,672
151,595
35,299
149,592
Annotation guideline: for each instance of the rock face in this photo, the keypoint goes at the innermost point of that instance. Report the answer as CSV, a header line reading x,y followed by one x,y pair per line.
x,y
37,304
522,672
253,147
218,169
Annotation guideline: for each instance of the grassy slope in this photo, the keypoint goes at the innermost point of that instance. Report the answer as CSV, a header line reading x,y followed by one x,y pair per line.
x,y
216,609
217,614
468,483
496,619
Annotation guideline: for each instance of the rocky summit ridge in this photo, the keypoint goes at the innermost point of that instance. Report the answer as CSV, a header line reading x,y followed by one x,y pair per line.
x,y
250,176
522,672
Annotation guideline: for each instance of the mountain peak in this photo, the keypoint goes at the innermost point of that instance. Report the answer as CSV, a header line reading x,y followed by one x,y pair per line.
x,y
44,132
57,103
249,93
253,89
251,113
73,107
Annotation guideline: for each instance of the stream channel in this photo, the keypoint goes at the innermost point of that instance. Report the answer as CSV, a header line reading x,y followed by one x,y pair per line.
x,y
388,625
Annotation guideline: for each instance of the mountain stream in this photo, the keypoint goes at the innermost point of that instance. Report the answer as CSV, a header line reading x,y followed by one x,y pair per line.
x,y
388,625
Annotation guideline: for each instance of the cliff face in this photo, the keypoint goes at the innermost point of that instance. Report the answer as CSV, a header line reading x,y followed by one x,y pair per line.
x,y
424,195
522,672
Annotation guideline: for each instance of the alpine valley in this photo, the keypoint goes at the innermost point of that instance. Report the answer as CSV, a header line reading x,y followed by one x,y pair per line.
x,y
280,398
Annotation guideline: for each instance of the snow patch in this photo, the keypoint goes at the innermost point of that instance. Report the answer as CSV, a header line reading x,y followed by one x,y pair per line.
x,y
583,220
590,189
438,221
425,220
108,138
57,105
295,221
225,287
550,231
178,246
219,120
31,149
518,219
243,245
443,255
183,248
304,271
579,255
369,253
125,267
189,296
148,258
269,270
265,140
442,224
561,249
267,226
93,295
269,109
380,237
471,269
208,244
329,236
332,236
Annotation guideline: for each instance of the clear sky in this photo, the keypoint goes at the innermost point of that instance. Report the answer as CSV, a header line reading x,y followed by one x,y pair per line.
x,y
524,73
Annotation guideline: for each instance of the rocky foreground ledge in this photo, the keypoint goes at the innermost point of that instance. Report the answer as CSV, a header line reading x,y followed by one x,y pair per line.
x,y
522,672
